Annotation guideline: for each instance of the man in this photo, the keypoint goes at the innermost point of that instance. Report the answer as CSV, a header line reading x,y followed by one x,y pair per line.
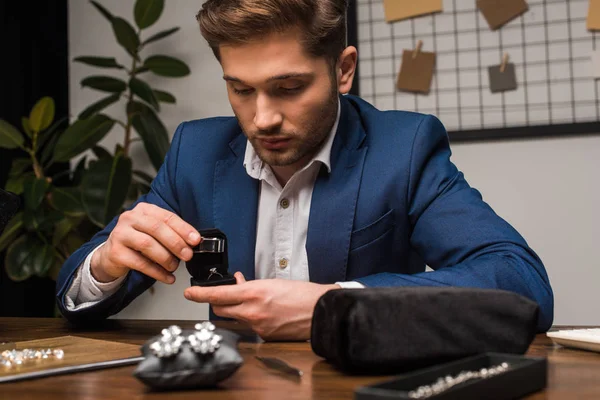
x,y
315,190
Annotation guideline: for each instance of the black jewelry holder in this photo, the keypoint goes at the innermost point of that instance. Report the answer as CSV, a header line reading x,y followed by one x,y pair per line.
x,y
525,375
209,265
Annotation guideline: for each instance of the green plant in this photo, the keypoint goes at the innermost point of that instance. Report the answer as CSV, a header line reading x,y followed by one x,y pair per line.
x,y
64,210
52,222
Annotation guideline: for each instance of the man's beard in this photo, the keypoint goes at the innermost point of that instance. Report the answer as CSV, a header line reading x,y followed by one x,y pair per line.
x,y
301,146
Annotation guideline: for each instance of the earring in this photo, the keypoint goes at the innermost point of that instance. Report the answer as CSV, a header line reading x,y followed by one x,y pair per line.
x,y
203,340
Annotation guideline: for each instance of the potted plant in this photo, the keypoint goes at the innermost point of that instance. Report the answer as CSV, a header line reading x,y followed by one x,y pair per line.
x,y
62,211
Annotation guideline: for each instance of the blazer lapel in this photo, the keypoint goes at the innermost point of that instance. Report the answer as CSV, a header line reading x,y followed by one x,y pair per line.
x,y
334,201
235,207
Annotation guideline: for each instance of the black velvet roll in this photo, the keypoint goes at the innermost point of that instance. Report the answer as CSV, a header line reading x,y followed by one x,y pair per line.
x,y
392,330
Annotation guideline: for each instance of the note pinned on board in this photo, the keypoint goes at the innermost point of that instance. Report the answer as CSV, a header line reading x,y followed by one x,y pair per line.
x,y
397,10
499,12
503,77
593,17
416,71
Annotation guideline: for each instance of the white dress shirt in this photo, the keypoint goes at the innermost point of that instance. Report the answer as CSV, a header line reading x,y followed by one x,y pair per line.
x,y
281,228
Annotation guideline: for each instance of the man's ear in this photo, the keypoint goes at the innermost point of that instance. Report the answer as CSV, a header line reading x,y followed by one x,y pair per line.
x,y
345,69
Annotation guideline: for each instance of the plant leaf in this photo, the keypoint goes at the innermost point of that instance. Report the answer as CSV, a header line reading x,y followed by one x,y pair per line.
x,y
101,152
15,184
143,176
160,35
102,62
19,165
12,229
82,135
104,84
67,200
71,243
147,12
10,137
43,138
103,11
164,97
42,114
104,188
79,171
34,190
151,130
99,106
18,262
26,126
43,259
141,89
126,36
63,227
48,151
167,66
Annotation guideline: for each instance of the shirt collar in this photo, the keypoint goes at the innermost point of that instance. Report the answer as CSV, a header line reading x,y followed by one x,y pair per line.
x,y
254,164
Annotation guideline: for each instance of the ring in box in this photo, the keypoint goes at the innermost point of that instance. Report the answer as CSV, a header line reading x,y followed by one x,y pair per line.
x,y
523,375
209,265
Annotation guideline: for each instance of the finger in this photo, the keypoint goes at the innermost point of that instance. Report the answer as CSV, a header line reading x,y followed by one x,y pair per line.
x,y
164,234
218,295
183,229
134,260
235,312
239,277
151,249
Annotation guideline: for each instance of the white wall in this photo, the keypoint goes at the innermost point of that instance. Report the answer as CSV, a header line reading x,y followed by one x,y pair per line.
x,y
548,189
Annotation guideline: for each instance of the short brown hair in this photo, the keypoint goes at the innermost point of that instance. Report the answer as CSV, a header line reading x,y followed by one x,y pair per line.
x,y
322,23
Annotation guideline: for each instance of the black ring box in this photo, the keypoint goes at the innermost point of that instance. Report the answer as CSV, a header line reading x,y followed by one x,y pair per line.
x,y
524,376
202,262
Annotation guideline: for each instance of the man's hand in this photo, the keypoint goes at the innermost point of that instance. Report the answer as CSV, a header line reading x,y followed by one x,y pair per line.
x,y
148,239
276,309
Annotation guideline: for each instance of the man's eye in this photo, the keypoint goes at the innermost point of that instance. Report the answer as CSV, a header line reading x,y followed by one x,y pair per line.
x,y
242,92
293,89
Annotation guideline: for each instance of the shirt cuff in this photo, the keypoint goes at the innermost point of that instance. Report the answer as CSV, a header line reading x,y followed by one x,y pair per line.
x,y
85,291
351,285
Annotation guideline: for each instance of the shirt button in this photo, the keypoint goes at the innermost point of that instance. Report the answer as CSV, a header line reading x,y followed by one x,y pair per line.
x,y
283,263
284,203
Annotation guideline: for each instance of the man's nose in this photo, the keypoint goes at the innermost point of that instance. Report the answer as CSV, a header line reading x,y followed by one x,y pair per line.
x,y
267,116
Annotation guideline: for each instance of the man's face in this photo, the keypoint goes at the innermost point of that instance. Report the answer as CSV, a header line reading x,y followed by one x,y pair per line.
x,y
284,100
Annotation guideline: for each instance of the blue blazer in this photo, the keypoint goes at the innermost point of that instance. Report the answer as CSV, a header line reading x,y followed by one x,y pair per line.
x,y
392,203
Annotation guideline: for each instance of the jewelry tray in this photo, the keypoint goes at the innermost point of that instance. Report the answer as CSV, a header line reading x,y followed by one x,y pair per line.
x,y
525,375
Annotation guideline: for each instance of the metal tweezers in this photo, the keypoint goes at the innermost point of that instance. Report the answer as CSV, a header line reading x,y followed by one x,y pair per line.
x,y
280,365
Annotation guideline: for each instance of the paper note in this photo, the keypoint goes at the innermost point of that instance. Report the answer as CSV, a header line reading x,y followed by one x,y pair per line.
x,y
416,72
596,64
499,12
396,10
502,81
593,18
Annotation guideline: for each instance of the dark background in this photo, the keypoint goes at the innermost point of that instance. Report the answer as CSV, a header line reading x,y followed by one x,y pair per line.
x,y
34,63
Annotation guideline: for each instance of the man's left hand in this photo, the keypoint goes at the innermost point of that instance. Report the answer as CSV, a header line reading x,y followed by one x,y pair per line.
x,y
276,309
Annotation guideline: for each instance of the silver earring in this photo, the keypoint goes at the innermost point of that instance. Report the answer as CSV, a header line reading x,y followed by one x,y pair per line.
x,y
203,340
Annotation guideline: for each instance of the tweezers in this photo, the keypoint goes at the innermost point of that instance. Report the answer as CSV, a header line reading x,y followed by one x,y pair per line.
x,y
279,365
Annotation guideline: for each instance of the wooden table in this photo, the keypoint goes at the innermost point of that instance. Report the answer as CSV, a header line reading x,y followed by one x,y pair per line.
x,y
572,374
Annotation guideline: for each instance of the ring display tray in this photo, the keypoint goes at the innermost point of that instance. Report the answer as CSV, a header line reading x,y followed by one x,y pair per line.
x,y
525,375
80,354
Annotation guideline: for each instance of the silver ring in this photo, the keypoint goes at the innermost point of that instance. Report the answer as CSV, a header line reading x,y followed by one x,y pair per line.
x,y
213,271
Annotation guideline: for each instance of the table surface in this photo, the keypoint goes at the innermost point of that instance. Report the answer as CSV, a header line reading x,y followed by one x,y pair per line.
x,y
572,374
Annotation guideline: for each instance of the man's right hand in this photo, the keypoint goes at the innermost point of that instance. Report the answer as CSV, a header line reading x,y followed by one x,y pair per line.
x,y
148,239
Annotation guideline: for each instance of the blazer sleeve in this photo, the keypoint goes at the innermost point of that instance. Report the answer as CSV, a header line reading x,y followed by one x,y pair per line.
x,y
459,236
163,194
